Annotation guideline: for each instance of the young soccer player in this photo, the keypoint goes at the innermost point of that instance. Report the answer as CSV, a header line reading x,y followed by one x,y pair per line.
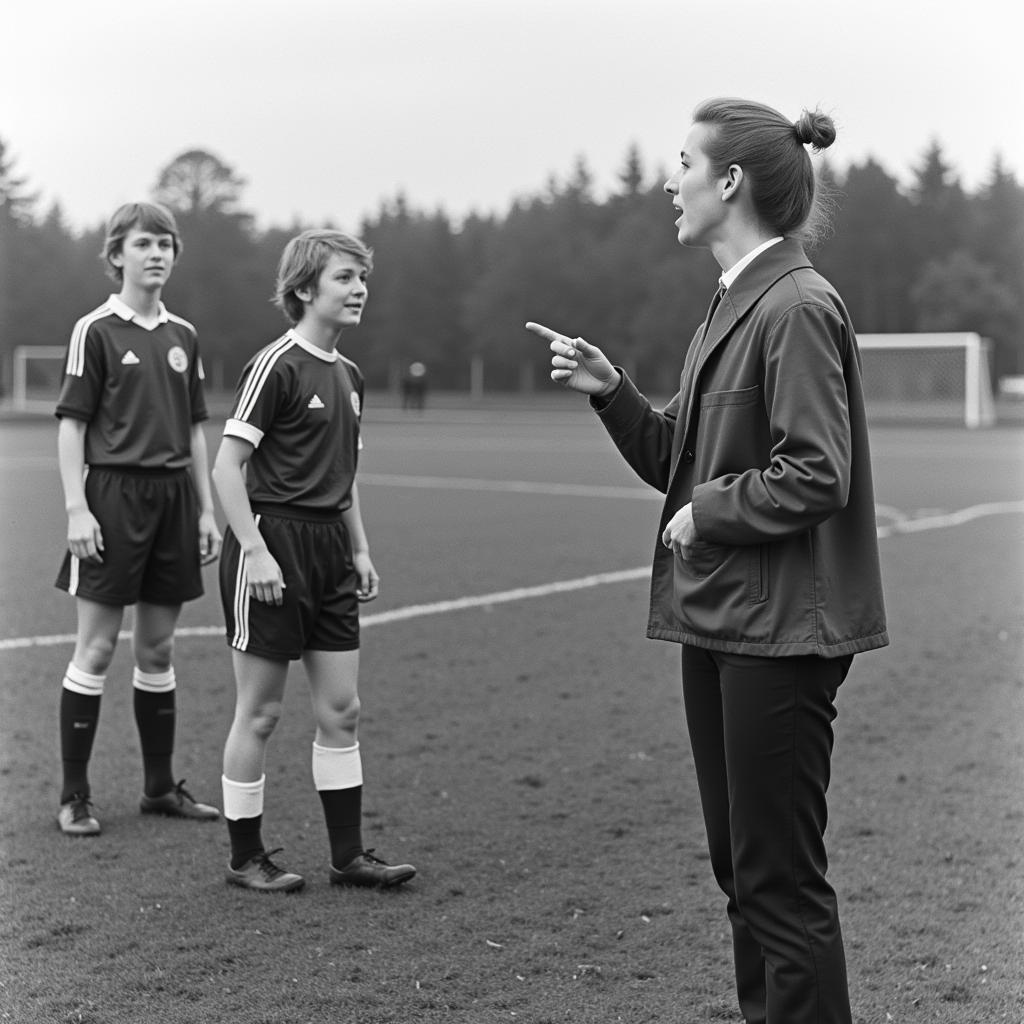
x,y
134,469
296,559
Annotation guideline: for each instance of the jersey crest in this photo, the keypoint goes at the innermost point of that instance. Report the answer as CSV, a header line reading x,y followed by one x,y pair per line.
x,y
355,403
177,359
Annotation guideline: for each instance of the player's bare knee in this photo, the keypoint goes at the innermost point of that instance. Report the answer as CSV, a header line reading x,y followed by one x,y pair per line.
x,y
341,716
349,715
264,719
155,655
95,655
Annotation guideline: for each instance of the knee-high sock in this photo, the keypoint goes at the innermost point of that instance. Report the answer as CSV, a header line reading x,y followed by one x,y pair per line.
x,y
243,811
338,777
80,698
154,700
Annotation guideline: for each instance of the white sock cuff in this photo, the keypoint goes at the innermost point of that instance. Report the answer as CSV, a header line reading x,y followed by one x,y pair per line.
x,y
154,682
82,682
337,767
242,799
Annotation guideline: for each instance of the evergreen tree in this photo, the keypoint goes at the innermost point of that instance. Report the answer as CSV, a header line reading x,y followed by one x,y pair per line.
x,y
931,257
631,177
959,293
870,254
940,223
17,206
415,291
998,242
998,225
16,217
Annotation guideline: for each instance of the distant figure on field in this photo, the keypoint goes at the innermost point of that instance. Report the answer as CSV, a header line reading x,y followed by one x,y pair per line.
x,y
133,465
297,560
766,570
414,387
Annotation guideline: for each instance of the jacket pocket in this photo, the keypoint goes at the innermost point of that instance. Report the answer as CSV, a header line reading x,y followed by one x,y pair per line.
x,y
757,579
705,558
744,396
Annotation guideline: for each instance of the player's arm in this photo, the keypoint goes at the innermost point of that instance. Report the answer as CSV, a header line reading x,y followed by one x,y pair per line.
x,y
369,581
85,538
209,535
265,580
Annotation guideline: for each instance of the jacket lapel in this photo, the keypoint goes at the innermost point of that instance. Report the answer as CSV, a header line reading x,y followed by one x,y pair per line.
x,y
754,280
723,318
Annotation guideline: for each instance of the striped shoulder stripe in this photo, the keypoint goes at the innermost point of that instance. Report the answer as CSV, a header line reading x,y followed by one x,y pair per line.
x,y
76,349
348,362
258,377
174,318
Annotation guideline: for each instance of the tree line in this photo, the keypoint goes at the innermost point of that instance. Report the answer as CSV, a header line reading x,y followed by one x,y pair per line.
x,y
930,256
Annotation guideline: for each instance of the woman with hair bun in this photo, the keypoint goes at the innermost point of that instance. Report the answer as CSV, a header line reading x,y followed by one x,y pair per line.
x,y
766,568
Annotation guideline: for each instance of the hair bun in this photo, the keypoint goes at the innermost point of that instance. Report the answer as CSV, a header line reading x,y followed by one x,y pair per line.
x,y
813,128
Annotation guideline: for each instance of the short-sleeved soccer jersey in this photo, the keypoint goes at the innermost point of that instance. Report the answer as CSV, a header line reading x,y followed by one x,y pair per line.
x,y
139,390
300,408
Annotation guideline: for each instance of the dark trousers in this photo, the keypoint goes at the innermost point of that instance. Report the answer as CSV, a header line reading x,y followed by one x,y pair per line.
x,y
761,734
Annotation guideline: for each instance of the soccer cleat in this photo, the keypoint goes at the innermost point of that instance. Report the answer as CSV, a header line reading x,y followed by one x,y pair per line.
x,y
371,872
263,875
179,803
75,817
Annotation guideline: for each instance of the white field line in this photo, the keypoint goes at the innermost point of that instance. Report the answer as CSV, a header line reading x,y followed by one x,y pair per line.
x,y
412,611
461,483
901,525
943,520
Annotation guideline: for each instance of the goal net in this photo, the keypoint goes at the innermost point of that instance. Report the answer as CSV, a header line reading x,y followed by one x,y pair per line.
x,y
939,377
36,376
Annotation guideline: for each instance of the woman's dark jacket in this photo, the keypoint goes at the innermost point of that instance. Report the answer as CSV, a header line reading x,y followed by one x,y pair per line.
x,y
768,439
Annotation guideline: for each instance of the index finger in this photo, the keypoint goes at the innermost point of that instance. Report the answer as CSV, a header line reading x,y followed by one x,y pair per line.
x,y
544,332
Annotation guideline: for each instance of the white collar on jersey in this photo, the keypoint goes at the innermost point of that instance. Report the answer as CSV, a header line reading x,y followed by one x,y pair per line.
x,y
125,312
314,350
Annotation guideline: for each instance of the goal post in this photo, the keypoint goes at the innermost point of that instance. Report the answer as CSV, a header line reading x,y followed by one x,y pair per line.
x,y
943,377
36,375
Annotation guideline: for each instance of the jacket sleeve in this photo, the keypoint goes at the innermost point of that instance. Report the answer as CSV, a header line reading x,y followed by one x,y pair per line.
x,y
807,478
643,435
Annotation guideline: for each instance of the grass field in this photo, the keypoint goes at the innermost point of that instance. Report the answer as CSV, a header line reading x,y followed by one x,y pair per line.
x,y
527,752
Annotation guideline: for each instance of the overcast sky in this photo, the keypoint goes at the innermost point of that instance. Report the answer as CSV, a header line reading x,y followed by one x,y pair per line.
x,y
326,107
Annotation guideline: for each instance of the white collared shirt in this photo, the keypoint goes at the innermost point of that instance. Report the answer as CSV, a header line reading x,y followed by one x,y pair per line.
x,y
730,275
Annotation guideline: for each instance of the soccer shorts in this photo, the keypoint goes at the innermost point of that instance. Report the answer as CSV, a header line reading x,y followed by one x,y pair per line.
x,y
150,526
320,611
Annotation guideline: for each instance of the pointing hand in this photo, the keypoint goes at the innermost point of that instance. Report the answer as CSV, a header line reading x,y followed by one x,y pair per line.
x,y
578,365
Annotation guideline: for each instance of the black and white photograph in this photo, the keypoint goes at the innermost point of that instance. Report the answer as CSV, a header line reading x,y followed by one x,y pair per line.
x,y
511,512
